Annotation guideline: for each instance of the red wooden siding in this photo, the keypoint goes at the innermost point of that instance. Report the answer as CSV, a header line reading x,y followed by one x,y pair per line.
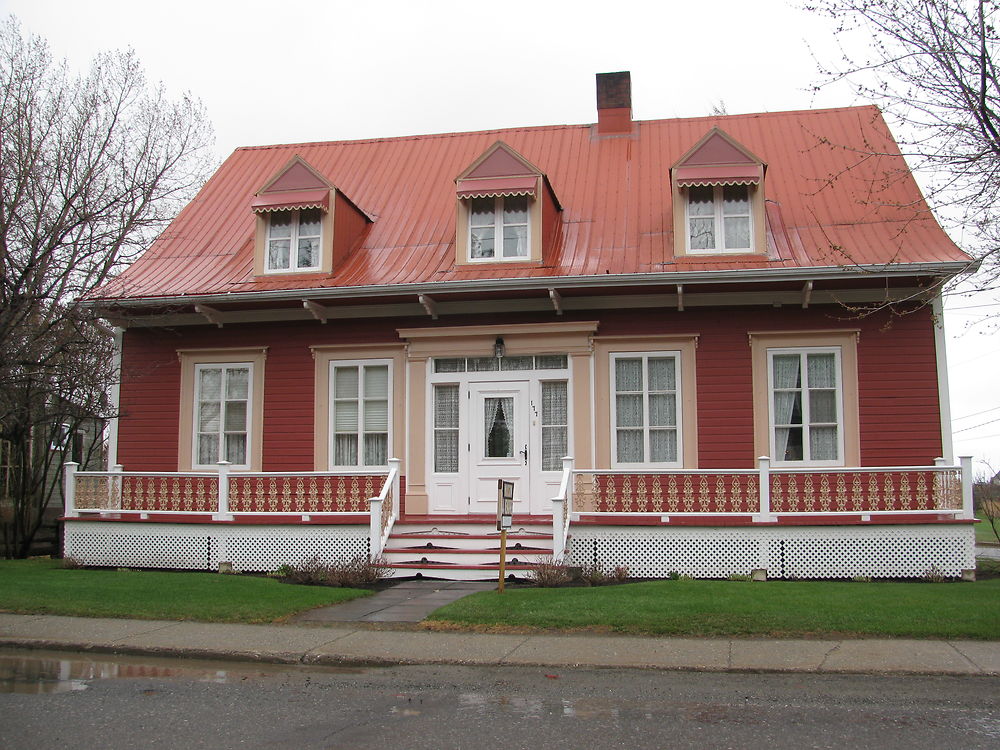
x,y
898,398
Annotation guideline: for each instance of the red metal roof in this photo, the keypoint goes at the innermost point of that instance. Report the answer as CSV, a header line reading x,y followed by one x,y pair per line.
x,y
839,194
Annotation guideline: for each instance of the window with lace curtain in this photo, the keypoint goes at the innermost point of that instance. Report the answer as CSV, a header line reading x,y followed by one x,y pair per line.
x,y
360,413
805,406
646,409
555,415
498,228
719,219
293,240
446,415
222,414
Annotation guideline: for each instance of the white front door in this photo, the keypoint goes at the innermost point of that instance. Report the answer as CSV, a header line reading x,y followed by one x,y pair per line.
x,y
506,423
500,443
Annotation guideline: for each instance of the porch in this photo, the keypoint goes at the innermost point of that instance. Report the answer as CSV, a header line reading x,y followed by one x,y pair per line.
x,y
888,522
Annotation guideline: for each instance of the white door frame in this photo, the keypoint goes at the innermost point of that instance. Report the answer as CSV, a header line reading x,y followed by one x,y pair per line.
x,y
452,493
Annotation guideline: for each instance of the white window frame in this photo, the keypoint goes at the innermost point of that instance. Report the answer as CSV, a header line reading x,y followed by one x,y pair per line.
x,y
719,222
498,225
196,420
332,448
293,238
802,351
679,416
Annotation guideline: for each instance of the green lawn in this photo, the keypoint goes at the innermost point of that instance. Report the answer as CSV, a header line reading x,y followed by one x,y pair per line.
x,y
984,533
45,587
736,608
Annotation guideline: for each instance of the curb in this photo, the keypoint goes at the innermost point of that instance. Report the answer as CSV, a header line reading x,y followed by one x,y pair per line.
x,y
333,660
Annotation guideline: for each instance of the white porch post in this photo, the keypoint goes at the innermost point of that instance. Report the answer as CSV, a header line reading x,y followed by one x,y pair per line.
x,y
968,512
375,528
116,487
69,489
561,509
764,490
223,514
397,502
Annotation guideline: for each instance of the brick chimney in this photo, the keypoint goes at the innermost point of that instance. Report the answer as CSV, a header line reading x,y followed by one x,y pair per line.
x,y
614,103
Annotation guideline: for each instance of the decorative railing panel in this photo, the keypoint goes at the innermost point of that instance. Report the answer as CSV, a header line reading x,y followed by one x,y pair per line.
x,y
315,493
733,492
98,492
190,494
856,491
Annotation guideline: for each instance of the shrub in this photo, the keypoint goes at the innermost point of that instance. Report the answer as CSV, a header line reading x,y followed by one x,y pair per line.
x,y
547,573
593,574
862,579
361,571
620,573
311,572
673,575
739,577
934,575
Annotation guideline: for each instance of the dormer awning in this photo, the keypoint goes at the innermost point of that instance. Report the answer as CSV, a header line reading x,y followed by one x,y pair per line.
x,y
727,174
494,187
291,200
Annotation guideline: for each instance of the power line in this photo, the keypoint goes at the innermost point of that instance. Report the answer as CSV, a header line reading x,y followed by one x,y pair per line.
x,y
976,414
975,427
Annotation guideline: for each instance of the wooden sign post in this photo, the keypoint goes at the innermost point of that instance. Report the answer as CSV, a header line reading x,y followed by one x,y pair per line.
x,y
505,516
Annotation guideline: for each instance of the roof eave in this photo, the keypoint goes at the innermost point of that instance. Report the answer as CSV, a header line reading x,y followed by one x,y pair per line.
x,y
731,276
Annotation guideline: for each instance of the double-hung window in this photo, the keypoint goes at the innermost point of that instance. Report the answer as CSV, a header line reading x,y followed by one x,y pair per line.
x,y
719,219
498,228
646,409
293,240
222,414
361,414
806,406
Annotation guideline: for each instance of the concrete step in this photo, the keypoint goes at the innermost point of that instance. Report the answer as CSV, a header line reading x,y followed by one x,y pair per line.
x,y
482,572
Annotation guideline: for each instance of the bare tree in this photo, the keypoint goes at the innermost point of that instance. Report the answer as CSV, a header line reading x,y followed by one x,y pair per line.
x,y
986,498
931,66
92,166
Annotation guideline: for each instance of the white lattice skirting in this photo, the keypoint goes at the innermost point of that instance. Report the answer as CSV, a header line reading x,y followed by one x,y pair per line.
x,y
203,547
800,552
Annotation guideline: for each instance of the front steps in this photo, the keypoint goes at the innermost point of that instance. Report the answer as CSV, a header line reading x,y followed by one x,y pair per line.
x,y
465,549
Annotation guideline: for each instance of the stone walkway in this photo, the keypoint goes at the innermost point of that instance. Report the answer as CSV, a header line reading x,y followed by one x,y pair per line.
x,y
410,601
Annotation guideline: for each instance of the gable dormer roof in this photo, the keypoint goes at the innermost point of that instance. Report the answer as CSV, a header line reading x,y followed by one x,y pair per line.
x,y
501,171
718,159
295,186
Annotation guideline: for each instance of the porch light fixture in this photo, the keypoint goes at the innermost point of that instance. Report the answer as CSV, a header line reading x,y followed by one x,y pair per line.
x,y
498,347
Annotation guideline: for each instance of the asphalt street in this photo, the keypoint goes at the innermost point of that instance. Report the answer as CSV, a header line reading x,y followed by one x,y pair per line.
x,y
98,701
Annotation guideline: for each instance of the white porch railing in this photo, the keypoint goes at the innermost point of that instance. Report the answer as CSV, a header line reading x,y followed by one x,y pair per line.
x,y
227,494
761,495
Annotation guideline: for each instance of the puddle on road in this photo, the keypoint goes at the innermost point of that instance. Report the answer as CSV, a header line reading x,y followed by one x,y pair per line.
x,y
37,672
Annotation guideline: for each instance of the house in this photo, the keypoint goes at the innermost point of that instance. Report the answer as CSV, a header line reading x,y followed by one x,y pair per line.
x,y
706,345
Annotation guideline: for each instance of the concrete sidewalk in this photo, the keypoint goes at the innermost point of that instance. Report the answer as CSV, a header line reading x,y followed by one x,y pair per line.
x,y
347,644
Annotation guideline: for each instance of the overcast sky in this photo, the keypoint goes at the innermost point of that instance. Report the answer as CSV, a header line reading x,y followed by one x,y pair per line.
x,y
272,72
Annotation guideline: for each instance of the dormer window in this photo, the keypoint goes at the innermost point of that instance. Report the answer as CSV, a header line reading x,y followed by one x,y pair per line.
x,y
499,228
719,219
507,210
294,240
297,211
717,189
